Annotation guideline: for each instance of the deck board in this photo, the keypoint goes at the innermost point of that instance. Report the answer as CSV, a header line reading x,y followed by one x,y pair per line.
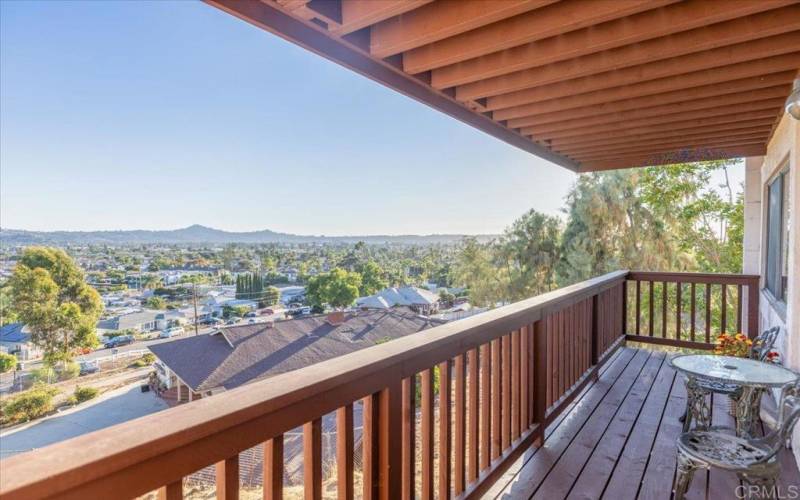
x,y
617,440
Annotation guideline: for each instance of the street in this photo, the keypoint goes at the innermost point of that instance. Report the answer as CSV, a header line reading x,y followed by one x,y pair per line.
x,y
113,407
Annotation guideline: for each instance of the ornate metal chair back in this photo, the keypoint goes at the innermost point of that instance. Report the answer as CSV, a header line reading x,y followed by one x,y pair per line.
x,y
788,414
763,344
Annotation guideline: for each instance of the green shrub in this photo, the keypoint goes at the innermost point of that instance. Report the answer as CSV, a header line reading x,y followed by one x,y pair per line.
x,y
45,375
68,371
7,362
149,358
85,393
29,405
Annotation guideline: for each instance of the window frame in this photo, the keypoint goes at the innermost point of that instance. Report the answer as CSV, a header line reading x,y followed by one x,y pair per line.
x,y
778,296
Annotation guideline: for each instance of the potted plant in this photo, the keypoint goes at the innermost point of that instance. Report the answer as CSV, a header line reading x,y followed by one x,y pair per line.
x,y
733,345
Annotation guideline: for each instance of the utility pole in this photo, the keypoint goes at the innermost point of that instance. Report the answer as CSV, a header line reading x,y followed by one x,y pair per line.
x,y
194,297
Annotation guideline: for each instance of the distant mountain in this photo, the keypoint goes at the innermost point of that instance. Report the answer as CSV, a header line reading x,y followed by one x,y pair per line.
x,y
203,234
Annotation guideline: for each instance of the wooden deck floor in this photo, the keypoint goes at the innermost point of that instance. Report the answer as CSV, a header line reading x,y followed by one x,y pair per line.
x,y
617,441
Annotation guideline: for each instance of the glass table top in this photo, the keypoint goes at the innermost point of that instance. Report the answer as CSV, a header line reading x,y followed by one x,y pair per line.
x,y
742,371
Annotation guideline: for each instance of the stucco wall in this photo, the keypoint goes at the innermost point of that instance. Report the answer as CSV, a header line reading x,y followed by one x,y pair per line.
x,y
784,147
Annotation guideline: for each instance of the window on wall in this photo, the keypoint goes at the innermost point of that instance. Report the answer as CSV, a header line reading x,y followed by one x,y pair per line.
x,y
778,222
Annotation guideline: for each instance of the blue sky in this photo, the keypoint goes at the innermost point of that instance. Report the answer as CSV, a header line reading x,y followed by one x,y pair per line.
x,y
157,115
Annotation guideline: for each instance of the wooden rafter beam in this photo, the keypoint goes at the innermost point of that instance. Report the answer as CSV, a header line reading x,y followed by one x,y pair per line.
x,y
694,50
672,158
357,14
631,136
674,146
699,61
772,105
542,23
612,34
316,39
660,140
440,20
560,99
604,116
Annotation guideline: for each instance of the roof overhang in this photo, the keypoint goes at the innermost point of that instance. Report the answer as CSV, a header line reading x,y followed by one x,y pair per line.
x,y
586,84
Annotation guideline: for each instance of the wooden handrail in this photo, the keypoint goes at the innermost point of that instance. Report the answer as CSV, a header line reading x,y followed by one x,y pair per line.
x,y
679,298
147,453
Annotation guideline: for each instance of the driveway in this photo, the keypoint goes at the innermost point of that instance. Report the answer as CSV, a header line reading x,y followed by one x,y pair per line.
x,y
113,407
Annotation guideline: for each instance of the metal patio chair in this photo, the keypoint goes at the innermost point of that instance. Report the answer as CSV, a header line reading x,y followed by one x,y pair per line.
x,y
754,461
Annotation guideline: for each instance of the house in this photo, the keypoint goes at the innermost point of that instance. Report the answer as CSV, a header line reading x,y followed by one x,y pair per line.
x,y
238,355
418,299
15,338
143,321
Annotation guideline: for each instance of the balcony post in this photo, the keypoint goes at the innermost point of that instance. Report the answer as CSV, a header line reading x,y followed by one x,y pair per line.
x,y
539,379
390,429
752,308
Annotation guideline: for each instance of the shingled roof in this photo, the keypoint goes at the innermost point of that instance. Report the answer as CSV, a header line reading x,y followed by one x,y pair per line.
x,y
237,355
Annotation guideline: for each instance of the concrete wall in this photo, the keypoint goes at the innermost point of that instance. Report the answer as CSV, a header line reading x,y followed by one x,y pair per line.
x,y
783,149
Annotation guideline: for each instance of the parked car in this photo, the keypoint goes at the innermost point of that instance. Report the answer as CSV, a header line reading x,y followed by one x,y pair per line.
x,y
171,332
233,321
119,341
267,312
215,321
88,367
251,321
251,314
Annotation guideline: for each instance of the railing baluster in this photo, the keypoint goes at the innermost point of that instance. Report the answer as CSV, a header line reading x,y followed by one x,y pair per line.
x,y
540,378
273,469
370,451
708,312
344,452
459,441
409,436
693,307
228,478
485,423
312,459
515,384
505,427
650,308
678,289
638,306
525,359
390,430
172,491
472,415
444,429
496,396
624,307
724,310
550,353
664,310
427,434
739,308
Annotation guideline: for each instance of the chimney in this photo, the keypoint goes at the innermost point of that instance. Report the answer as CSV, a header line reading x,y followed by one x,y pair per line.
x,y
335,318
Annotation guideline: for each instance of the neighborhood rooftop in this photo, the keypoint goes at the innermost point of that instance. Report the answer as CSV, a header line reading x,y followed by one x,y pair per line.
x,y
241,354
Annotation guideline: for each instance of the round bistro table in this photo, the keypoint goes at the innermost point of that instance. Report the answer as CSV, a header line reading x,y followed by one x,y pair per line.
x,y
751,375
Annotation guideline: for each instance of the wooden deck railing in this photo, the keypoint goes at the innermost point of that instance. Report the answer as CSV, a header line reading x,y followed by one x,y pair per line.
x,y
690,309
502,376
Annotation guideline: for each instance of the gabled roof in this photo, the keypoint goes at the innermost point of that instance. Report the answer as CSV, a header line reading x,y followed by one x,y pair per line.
x,y
14,332
240,354
586,84
403,296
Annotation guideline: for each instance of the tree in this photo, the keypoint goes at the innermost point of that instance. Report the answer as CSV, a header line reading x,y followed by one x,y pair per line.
x,y
338,288
372,279
7,362
50,295
151,281
7,314
529,251
270,296
156,303
475,270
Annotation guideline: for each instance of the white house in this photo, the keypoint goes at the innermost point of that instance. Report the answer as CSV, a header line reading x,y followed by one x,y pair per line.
x,y
418,299
15,338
